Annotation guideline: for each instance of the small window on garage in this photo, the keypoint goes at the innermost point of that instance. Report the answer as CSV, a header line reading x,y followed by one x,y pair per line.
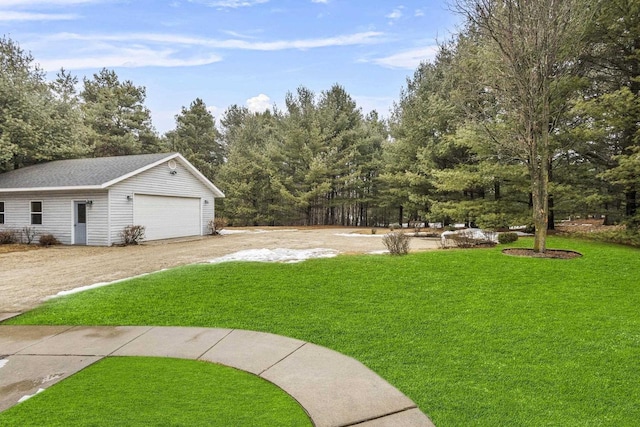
x,y
1,212
36,213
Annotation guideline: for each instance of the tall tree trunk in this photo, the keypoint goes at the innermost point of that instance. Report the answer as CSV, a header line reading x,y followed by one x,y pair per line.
x,y
540,211
552,215
540,186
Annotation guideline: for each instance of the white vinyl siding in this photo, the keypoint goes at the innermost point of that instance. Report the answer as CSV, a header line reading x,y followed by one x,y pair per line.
x,y
57,216
157,181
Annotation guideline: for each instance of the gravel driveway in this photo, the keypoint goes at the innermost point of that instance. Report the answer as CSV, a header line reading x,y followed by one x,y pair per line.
x,y
27,278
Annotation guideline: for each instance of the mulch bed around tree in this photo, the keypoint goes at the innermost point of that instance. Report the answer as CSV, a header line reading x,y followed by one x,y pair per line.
x,y
550,253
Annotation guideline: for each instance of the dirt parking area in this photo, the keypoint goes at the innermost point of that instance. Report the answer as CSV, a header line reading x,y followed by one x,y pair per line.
x,y
28,277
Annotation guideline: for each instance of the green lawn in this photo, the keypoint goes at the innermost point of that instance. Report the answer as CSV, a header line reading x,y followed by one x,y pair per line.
x,y
145,391
474,337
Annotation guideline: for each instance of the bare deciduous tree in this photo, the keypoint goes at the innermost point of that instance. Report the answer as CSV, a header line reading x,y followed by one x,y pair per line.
x,y
530,47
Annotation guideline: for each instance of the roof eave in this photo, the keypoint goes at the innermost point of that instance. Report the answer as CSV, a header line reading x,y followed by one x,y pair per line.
x,y
45,189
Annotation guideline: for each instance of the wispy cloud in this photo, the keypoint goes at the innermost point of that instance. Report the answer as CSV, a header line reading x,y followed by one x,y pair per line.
x,y
127,58
320,1
233,4
396,13
48,3
7,16
369,37
82,51
409,59
38,10
237,34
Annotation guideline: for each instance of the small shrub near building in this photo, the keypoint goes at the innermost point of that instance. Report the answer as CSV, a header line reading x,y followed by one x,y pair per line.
x,y
396,242
29,234
47,240
216,225
132,235
505,238
8,237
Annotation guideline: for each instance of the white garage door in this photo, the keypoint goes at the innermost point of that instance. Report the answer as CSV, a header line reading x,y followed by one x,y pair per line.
x,y
166,217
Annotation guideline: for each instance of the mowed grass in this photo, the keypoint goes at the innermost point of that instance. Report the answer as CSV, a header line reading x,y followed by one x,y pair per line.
x,y
474,337
144,391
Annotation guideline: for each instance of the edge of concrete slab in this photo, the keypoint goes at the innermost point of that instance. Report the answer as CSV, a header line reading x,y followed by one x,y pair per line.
x,y
6,316
334,389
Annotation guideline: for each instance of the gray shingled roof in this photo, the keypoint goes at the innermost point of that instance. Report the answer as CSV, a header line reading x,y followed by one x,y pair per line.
x,y
77,172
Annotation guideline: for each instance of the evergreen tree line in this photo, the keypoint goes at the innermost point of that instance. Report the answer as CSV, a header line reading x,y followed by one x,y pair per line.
x,y
530,114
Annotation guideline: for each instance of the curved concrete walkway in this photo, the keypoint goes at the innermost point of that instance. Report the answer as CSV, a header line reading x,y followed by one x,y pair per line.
x,y
334,389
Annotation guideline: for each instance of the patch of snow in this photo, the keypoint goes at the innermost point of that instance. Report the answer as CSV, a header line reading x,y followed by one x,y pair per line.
x,y
359,235
95,285
276,255
82,288
227,232
378,252
474,233
3,362
29,396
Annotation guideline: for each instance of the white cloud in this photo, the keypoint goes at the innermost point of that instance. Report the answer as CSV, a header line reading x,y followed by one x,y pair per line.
x,y
7,16
112,57
30,3
237,34
409,59
342,40
418,13
320,1
396,14
233,4
80,51
259,104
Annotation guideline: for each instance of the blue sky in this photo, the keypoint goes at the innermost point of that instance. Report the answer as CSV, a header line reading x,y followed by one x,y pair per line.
x,y
245,52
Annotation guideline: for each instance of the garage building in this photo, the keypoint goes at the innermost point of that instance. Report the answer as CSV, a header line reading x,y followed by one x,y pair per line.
x,y
91,201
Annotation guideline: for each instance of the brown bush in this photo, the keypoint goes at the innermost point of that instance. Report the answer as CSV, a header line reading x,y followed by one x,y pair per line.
x,y
8,237
216,225
48,240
